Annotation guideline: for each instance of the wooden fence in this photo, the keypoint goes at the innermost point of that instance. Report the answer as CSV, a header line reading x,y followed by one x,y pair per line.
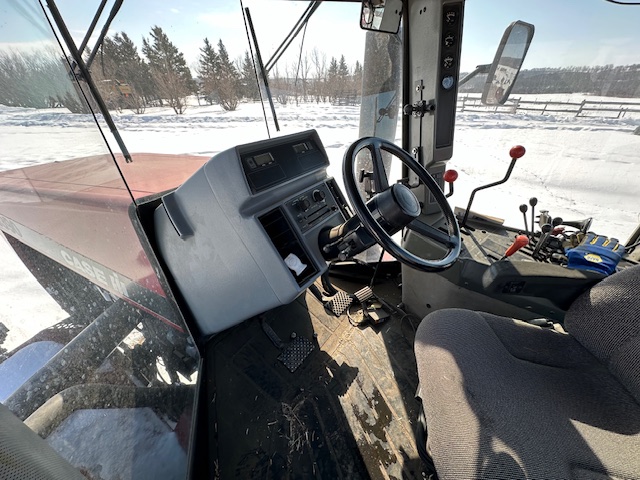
x,y
585,108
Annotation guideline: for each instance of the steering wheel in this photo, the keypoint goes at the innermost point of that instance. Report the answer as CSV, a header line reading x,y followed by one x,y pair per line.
x,y
450,240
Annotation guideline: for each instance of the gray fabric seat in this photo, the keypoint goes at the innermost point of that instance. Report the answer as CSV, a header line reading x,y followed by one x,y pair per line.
x,y
505,399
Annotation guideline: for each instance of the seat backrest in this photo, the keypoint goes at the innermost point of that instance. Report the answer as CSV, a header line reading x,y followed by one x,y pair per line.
x,y
26,456
606,321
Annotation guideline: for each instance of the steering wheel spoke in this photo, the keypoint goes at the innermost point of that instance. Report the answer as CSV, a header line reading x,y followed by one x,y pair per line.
x,y
433,233
381,182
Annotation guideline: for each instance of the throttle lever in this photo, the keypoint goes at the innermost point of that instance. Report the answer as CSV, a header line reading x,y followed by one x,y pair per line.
x,y
518,243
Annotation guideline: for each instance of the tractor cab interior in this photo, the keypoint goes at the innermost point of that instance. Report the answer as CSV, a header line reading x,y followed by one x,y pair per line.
x,y
270,275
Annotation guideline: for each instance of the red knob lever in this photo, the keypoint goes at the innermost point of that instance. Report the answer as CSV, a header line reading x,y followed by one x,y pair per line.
x,y
520,241
517,151
450,176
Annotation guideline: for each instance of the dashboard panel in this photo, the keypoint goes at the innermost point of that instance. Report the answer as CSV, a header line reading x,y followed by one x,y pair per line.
x,y
240,236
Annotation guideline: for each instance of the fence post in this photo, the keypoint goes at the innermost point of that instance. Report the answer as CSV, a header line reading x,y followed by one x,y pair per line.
x,y
581,107
516,104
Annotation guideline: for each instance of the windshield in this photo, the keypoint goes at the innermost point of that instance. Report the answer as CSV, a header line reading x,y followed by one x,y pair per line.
x,y
573,107
211,99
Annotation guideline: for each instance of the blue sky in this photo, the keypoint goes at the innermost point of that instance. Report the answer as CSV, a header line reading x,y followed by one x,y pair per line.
x,y
568,32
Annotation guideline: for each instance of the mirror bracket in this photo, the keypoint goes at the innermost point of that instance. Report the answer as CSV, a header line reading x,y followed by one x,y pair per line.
x,y
420,108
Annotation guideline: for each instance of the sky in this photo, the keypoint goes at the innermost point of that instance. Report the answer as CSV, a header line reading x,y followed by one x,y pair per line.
x,y
568,32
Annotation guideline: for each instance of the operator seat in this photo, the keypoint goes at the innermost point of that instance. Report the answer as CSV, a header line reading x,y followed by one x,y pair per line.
x,y
506,399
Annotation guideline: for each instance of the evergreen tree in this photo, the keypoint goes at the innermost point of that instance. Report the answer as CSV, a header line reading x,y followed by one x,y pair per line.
x,y
342,77
228,80
249,81
332,80
128,77
208,67
169,70
357,78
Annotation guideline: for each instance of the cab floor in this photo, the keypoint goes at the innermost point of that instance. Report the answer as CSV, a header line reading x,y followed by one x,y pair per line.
x,y
347,412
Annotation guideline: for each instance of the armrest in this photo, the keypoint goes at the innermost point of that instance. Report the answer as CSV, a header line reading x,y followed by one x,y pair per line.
x,y
560,285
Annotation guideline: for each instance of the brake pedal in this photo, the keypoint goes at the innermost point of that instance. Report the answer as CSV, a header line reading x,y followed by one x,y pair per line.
x,y
343,300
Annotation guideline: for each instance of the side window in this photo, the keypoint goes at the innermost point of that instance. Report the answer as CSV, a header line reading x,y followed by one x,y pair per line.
x,y
94,357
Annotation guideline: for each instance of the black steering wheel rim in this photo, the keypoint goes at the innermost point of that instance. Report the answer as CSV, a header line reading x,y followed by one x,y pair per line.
x,y
451,240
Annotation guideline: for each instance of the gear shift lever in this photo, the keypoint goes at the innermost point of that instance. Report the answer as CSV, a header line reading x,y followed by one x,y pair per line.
x,y
515,153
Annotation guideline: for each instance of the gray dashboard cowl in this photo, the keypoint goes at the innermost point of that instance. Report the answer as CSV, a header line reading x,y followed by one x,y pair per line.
x,y
209,234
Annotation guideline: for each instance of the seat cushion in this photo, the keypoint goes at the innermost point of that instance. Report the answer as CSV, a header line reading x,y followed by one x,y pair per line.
x,y
505,399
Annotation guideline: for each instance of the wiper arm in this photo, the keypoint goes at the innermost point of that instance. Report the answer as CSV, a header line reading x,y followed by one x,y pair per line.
x,y
103,33
297,28
94,22
84,73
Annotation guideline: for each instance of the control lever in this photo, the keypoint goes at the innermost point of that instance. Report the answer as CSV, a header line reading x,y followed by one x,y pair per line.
x,y
450,176
533,201
518,243
523,209
546,231
515,153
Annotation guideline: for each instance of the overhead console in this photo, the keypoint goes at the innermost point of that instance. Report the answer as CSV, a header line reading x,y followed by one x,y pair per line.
x,y
241,235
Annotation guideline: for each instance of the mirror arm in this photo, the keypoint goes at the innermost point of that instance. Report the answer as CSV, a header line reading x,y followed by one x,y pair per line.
x,y
478,70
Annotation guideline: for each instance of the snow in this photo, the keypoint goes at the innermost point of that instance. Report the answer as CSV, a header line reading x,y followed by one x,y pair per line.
x,y
576,167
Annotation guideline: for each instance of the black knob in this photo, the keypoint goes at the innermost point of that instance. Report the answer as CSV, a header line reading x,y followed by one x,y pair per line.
x,y
318,195
304,204
524,208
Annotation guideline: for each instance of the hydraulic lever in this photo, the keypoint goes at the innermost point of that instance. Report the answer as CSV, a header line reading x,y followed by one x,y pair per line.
x,y
533,201
450,176
515,153
518,243
523,209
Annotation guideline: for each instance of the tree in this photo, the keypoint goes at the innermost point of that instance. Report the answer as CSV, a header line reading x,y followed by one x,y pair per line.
x,y
248,78
208,66
332,80
342,78
126,77
228,80
357,78
169,70
319,61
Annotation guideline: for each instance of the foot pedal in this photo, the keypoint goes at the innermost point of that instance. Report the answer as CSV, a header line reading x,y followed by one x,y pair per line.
x,y
339,303
363,294
342,300
296,352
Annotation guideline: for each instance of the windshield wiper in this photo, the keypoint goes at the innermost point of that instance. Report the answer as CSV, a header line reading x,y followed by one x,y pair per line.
x,y
264,69
84,71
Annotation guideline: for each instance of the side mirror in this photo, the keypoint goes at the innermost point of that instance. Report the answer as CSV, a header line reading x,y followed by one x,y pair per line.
x,y
381,15
507,63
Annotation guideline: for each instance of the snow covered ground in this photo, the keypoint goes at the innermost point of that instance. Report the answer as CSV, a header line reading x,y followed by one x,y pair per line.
x,y
576,167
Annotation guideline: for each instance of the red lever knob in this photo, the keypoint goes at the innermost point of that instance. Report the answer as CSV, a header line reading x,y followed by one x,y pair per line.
x,y
450,176
517,151
520,241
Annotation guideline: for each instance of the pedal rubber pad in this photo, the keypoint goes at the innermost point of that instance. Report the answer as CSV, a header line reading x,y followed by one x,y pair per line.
x,y
296,352
363,294
339,303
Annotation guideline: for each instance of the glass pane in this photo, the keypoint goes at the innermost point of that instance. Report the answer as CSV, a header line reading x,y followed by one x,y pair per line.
x,y
93,356
575,107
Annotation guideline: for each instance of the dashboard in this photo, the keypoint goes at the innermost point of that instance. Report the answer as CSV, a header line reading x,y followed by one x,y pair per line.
x,y
240,236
